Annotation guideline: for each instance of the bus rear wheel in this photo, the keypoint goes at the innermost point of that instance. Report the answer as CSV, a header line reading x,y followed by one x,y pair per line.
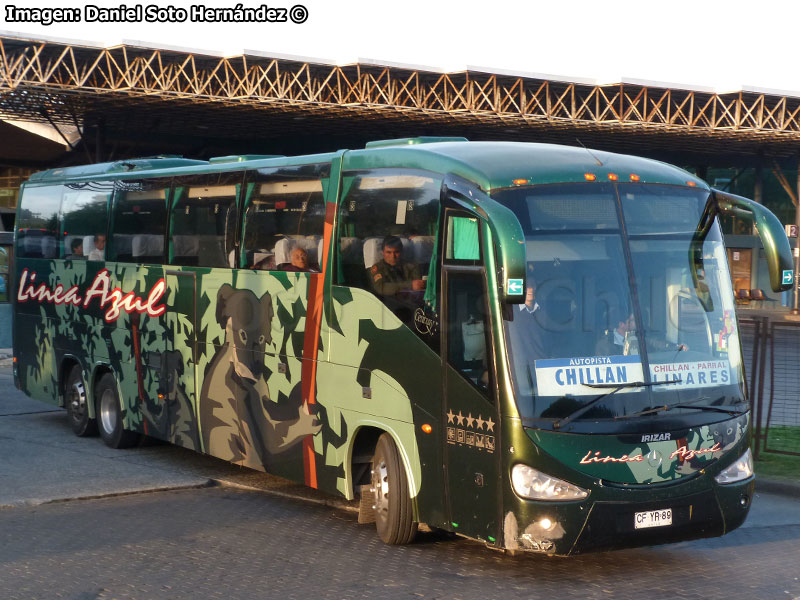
x,y
394,517
109,415
76,404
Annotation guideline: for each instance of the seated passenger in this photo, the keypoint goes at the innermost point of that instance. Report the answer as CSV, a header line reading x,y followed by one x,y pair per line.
x,y
390,274
299,261
99,247
76,249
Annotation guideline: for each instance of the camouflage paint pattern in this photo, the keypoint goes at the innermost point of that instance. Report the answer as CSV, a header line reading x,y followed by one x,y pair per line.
x,y
627,459
230,384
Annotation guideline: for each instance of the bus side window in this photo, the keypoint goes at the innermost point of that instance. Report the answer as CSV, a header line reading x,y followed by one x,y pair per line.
x,y
37,230
84,218
284,218
139,221
463,243
388,234
203,219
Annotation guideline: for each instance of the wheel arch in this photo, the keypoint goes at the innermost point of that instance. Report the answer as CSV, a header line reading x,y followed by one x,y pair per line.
x,y
68,362
365,439
98,371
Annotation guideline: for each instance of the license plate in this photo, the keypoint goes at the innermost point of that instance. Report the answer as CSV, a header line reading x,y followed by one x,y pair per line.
x,y
653,518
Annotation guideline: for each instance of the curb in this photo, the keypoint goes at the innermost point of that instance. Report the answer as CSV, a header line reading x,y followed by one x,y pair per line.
x,y
166,488
331,501
778,486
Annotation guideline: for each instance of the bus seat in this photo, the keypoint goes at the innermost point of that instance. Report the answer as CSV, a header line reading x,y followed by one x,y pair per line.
x,y
422,249
148,248
88,244
282,250
185,246
49,247
210,251
32,246
351,250
122,244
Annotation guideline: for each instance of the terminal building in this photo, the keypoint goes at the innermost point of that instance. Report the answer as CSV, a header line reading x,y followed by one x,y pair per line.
x,y
68,103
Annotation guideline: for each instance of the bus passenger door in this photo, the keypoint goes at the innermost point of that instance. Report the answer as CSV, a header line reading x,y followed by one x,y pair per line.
x,y
470,413
179,360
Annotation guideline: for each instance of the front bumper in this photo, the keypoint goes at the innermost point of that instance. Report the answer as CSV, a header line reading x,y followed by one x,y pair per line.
x,y
607,521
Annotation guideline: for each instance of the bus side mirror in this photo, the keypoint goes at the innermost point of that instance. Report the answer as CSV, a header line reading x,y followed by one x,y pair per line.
x,y
773,237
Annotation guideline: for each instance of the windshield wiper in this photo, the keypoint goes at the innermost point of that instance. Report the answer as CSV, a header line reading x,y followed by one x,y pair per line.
x,y
617,387
693,404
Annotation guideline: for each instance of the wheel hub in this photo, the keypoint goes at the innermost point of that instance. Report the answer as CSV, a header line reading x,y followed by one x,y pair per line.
x,y
380,488
108,411
78,399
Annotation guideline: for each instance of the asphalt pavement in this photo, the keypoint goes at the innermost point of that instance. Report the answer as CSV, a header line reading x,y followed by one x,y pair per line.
x,y
81,521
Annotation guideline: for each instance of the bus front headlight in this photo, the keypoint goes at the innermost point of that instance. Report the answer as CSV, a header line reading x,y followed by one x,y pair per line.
x,y
533,484
741,469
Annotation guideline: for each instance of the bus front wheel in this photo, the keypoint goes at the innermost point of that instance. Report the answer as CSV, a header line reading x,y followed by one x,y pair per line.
x,y
77,405
109,415
394,517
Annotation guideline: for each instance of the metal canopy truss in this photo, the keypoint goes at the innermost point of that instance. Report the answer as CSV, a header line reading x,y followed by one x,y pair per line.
x,y
75,84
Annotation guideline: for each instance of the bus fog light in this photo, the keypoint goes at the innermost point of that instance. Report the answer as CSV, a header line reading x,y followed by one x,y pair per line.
x,y
533,484
741,469
545,524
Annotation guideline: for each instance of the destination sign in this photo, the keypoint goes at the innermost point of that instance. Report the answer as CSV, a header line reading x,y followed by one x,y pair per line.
x,y
560,376
691,374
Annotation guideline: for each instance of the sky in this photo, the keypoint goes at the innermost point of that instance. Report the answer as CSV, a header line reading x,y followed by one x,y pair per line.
x,y
713,45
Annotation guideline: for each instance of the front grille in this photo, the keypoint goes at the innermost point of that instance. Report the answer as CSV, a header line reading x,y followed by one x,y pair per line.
x,y
611,524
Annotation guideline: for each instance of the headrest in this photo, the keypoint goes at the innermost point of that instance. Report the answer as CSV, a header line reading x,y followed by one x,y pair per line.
x,y
88,244
148,245
49,246
186,245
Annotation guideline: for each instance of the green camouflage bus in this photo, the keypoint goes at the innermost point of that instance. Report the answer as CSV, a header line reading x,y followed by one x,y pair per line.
x,y
530,345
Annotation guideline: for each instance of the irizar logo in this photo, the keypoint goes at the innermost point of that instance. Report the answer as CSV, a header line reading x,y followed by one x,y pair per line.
x,y
656,437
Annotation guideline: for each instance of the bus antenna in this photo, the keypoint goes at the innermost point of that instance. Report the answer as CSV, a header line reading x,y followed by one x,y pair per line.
x,y
597,160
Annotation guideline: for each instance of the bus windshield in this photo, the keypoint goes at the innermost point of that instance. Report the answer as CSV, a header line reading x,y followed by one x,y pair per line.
x,y
624,286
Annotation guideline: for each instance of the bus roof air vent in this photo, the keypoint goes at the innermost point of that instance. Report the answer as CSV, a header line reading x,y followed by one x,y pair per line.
x,y
242,158
413,141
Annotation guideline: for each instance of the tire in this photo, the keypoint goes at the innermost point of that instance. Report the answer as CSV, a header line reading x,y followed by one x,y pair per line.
x,y
77,405
394,517
109,415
